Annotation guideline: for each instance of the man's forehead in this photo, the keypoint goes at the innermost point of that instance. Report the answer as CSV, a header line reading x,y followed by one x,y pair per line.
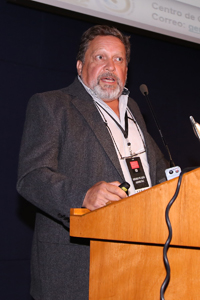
x,y
102,38
100,42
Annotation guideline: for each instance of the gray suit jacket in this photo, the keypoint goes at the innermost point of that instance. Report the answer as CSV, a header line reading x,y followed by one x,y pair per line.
x,y
66,148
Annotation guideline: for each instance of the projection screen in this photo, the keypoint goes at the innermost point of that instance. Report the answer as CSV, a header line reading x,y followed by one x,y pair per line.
x,y
176,18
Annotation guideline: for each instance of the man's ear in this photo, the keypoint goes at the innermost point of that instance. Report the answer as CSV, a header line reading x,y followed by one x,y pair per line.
x,y
79,66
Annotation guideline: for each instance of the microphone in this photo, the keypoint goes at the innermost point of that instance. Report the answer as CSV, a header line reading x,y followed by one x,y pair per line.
x,y
145,92
196,127
144,89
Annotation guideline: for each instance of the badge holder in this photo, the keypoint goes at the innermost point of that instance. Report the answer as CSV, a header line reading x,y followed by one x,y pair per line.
x,y
137,174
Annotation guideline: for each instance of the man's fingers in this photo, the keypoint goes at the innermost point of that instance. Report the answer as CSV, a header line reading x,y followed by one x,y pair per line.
x,y
101,193
116,190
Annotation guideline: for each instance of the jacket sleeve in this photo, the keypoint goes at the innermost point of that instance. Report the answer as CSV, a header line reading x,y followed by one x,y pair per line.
x,y
40,180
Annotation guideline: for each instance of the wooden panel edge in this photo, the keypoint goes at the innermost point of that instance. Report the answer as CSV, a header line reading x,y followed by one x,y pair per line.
x,y
78,211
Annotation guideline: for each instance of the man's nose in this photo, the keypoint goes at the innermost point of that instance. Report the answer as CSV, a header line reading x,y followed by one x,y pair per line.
x,y
110,65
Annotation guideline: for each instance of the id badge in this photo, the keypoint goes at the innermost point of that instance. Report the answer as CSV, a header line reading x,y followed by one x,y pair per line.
x,y
137,173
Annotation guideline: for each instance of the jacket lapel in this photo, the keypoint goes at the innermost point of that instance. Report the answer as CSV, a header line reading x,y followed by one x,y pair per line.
x,y
84,104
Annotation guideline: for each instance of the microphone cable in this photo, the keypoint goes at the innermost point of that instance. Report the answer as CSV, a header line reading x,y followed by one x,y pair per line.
x,y
166,246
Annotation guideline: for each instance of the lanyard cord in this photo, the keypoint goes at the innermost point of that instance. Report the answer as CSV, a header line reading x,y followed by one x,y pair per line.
x,y
137,126
125,132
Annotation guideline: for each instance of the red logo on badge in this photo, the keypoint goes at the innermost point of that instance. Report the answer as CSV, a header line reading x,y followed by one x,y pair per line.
x,y
134,164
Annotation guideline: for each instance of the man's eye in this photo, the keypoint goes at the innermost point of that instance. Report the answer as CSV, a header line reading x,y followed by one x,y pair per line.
x,y
119,59
99,57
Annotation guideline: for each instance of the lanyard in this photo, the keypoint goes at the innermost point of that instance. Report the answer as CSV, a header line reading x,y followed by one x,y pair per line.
x,y
125,132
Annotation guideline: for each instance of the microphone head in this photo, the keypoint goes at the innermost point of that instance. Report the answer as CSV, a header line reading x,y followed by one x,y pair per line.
x,y
196,127
144,89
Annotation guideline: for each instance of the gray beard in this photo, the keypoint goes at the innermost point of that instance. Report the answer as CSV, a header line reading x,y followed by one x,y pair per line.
x,y
110,93
107,94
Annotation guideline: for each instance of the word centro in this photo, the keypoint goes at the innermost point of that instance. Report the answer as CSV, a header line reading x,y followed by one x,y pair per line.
x,y
168,10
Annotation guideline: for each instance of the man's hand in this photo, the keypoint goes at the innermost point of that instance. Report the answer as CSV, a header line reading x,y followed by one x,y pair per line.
x,y
102,193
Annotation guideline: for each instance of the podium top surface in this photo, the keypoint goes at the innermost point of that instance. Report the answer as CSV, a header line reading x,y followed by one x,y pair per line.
x,y
141,218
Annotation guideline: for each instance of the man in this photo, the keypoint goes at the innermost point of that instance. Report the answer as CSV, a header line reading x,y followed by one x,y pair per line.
x,y
78,145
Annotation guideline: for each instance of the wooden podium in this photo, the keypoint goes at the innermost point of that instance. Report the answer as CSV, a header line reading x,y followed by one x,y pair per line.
x,y
127,238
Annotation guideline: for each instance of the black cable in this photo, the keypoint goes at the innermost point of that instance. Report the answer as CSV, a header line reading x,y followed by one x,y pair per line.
x,y
166,246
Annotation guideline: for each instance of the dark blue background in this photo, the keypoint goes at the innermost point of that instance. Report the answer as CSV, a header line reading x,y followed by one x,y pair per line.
x,y
38,53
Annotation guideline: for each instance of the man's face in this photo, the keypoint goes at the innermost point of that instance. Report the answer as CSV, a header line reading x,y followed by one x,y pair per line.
x,y
104,69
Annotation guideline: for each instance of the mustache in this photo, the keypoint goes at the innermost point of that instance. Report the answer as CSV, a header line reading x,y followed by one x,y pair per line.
x,y
108,74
